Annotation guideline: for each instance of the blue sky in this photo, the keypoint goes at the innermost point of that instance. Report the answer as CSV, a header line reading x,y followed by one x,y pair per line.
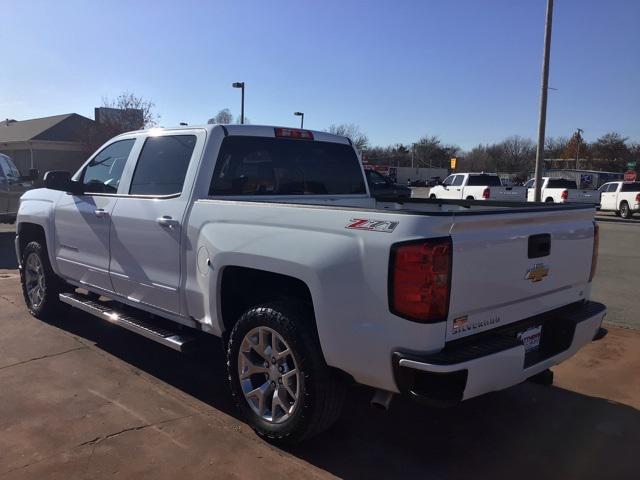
x,y
466,70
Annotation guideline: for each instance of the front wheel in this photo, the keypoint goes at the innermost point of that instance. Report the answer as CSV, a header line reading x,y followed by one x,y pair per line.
x,y
625,211
278,377
40,285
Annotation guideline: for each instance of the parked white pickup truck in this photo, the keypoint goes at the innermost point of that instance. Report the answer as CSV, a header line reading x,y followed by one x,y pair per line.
x,y
477,186
561,190
269,238
620,197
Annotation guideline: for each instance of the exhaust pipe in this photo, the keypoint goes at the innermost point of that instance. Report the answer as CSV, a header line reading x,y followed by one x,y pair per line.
x,y
381,399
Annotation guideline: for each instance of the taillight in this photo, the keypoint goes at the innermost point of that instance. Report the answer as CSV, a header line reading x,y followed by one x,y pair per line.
x,y
420,279
486,193
594,255
565,195
294,133
638,198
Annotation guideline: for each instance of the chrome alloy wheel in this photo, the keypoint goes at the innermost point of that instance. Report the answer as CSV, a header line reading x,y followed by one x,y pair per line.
x,y
34,279
268,374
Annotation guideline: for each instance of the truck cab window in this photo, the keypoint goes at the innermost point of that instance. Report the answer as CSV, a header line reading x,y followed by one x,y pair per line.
x,y
103,173
274,166
448,180
457,180
162,165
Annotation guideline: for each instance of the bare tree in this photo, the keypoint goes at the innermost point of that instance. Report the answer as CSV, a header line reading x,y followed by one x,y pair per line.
x,y
135,112
517,155
611,151
360,140
223,116
554,147
429,151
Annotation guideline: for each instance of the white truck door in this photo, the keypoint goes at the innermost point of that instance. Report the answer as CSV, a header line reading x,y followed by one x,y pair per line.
x,y
607,199
82,222
455,190
146,231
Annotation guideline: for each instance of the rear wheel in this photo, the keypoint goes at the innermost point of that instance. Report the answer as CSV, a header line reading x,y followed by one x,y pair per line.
x,y
549,200
470,198
278,377
40,285
625,211
432,196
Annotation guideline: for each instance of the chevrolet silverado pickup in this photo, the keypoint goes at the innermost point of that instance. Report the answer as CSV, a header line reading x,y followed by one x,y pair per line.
x,y
562,190
477,186
269,238
623,198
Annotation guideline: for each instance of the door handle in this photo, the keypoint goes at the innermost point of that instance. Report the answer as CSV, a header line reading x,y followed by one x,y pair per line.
x,y
100,212
167,221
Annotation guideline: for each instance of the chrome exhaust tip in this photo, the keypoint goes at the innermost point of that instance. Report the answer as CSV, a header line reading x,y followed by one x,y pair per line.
x,y
381,400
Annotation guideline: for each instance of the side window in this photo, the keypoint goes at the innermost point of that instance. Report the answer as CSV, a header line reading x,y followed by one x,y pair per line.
x,y
457,181
162,165
604,188
613,187
103,173
448,180
529,184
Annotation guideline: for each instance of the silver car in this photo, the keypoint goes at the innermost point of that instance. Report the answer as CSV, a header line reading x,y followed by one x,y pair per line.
x,y
12,186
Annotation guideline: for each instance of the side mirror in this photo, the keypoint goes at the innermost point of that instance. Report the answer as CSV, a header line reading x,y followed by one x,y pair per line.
x,y
61,180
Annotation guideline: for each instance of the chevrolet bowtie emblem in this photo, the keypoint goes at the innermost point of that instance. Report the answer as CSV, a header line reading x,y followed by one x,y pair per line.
x,y
537,272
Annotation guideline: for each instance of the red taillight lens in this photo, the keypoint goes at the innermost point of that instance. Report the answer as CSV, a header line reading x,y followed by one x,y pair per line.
x,y
294,133
596,246
638,198
486,193
420,279
565,195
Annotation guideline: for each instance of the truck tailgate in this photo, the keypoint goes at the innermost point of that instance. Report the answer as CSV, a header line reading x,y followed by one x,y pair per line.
x,y
509,194
502,271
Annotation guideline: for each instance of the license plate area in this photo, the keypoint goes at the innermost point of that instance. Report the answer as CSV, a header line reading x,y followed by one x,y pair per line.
x,y
530,338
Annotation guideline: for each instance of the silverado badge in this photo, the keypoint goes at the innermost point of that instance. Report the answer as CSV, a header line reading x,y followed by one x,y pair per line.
x,y
537,273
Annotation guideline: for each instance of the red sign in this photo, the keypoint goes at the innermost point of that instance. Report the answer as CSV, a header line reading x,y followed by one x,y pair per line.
x,y
630,176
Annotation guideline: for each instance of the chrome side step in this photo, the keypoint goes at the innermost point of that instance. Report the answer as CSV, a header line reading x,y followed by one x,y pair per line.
x,y
177,341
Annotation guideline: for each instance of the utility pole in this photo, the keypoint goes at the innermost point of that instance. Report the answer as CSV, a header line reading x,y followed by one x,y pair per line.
x,y
543,101
578,138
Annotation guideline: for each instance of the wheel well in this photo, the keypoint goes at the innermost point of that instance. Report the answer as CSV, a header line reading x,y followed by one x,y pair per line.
x,y
470,197
242,288
28,232
549,199
623,202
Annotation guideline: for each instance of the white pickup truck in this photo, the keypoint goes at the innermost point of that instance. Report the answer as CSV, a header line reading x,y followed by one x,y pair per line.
x,y
269,238
620,197
477,186
562,190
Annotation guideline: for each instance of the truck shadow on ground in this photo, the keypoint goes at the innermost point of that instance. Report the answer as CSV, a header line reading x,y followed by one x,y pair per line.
x,y
7,251
528,431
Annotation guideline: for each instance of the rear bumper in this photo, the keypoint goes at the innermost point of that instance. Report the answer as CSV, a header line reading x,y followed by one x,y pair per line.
x,y
496,359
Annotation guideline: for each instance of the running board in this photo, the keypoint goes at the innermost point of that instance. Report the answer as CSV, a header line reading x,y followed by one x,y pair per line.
x,y
171,339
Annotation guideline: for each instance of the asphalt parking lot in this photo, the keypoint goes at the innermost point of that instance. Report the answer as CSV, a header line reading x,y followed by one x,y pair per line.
x,y
85,399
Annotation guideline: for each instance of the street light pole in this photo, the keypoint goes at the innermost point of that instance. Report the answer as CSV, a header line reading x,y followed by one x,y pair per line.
x,y
578,137
241,86
543,101
301,115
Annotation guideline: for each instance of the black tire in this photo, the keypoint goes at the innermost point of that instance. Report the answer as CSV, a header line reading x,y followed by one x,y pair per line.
x,y
52,285
321,391
470,198
432,196
549,200
617,213
625,211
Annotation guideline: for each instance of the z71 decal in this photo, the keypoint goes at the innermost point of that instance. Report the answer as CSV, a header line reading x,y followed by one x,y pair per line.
x,y
386,226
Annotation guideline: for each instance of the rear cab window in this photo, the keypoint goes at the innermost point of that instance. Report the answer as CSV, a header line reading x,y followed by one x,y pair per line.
x,y
483,180
562,183
630,187
283,166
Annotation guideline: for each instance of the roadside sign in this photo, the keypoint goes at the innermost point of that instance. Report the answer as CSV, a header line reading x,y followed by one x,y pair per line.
x,y
454,162
630,176
631,165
